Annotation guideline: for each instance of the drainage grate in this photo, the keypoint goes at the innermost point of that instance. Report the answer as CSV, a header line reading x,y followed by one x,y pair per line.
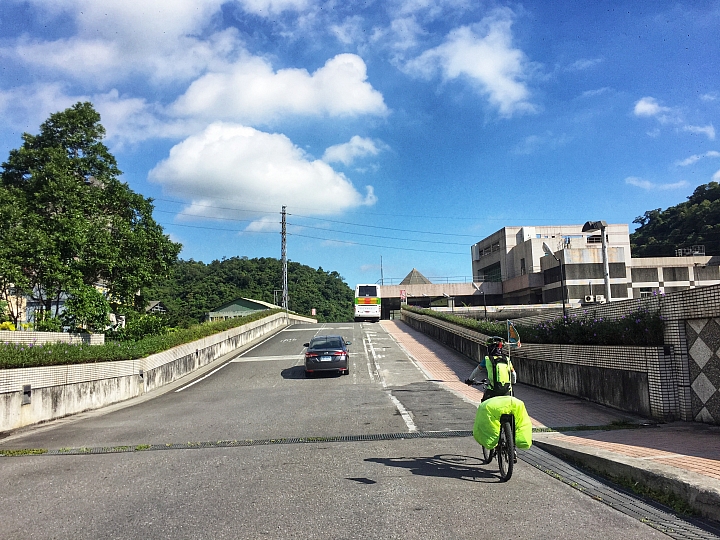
x,y
652,514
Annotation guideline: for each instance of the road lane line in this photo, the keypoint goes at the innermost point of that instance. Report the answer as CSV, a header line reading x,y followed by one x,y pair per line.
x,y
369,364
406,415
377,366
224,365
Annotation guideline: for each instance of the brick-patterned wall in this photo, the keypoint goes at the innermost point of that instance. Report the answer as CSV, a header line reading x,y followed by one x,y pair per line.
x,y
38,338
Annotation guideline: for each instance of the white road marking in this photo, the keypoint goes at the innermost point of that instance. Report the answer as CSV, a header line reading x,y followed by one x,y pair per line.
x,y
293,357
406,415
369,363
224,365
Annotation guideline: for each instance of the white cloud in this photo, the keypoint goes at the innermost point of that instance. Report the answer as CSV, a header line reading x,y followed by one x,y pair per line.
x,y
716,176
712,96
251,169
249,91
584,63
158,39
484,55
348,152
650,186
708,131
649,106
534,143
697,157
273,7
596,92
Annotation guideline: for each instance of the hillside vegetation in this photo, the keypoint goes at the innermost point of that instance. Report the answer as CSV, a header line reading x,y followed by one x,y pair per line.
x,y
195,288
695,222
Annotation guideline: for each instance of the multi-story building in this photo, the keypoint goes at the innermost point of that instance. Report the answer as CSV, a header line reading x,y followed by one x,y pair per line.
x,y
515,256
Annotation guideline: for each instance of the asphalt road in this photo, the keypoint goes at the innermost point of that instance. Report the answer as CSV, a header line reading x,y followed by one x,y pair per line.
x,y
399,488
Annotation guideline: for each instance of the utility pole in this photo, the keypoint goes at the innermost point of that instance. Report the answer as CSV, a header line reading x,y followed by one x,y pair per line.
x,y
382,280
283,251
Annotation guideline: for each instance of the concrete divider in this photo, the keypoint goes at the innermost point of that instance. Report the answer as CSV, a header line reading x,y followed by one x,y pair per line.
x,y
33,395
621,377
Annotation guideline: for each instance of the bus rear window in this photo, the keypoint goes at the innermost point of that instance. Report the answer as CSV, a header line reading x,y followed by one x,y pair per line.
x,y
367,290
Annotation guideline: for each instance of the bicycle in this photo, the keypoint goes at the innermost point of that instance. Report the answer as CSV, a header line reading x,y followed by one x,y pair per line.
x,y
505,449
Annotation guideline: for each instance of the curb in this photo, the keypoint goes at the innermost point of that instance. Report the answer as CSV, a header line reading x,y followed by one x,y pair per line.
x,y
700,492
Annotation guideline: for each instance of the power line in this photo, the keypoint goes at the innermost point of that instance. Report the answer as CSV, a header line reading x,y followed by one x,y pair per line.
x,y
375,245
380,236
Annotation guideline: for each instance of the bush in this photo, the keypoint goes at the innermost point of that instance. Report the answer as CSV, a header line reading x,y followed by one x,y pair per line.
x,y
17,355
139,326
7,325
641,328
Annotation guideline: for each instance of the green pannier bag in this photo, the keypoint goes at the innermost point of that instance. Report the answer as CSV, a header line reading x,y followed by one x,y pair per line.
x,y
486,430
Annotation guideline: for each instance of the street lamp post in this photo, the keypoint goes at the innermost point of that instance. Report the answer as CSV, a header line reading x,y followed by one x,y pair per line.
x,y
549,251
591,226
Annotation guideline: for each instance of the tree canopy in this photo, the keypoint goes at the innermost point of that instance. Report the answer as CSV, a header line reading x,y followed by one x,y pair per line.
x,y
695,222
195,288
69,224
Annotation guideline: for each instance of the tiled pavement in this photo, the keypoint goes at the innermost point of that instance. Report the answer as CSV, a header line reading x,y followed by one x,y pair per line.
x,y
684,452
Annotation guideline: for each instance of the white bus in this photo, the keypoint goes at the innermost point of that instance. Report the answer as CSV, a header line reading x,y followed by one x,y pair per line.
x,y
367,303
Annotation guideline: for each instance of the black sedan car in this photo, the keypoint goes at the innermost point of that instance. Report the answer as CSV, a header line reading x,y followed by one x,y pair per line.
x,y
327,353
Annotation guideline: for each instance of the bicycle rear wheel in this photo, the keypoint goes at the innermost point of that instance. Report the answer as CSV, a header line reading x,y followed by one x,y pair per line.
x,y
506,451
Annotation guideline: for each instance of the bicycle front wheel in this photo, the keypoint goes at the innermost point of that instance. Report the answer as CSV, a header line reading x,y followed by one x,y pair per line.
x,y
506,451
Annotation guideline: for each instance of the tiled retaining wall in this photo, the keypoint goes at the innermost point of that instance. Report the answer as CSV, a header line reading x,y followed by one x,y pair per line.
x,y
57,391
37,338
683,377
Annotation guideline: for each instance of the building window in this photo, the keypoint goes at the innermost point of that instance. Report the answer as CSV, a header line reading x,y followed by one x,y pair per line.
x,y
645,292
522,267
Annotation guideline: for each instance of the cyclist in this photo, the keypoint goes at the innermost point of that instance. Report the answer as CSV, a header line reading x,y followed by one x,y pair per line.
x,y
497,368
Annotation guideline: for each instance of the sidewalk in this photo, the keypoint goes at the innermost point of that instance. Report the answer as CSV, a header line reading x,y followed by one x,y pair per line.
x,y
681,457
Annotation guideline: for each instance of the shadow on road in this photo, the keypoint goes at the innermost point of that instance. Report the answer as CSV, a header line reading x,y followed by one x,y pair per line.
x,y
298,372
444,465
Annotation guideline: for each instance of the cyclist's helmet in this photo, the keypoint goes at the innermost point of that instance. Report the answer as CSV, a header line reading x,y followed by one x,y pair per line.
x,y
494,346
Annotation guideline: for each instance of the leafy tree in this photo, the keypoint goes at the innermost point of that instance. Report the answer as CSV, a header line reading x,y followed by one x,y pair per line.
x,y
695,222
86,309
195,288
70,222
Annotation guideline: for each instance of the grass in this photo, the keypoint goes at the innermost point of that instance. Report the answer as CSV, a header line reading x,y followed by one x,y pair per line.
x,y
23,452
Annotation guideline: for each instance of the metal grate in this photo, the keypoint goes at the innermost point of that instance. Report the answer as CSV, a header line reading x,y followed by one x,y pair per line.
x,y
652,514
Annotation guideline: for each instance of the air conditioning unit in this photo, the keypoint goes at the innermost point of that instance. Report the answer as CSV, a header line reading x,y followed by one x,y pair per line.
x,y
589,298
600,298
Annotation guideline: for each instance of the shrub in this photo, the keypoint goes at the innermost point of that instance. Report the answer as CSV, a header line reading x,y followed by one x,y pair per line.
x,y
17,355
7,325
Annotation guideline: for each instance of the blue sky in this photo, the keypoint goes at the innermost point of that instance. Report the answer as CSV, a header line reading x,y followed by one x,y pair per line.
x,y
401,129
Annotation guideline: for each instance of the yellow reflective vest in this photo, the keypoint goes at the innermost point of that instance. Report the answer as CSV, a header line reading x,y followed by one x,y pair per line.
x,y
486,430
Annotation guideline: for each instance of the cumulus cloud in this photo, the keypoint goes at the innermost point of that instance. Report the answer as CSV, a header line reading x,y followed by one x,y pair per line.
x,y
253,169
348,152
114,39
484,55
708,131
697,157
716,177
651,186
649,106
249,91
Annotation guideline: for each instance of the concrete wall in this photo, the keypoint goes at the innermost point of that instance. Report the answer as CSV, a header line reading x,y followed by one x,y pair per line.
x,y
57,391
614,376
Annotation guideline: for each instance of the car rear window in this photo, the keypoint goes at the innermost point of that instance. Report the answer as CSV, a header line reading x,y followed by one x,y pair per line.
x,y
332,343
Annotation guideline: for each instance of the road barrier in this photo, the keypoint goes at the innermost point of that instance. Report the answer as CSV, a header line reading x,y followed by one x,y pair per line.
x,y
32,395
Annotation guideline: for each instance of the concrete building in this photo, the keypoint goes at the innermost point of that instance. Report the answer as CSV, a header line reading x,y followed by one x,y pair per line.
x,y
515,257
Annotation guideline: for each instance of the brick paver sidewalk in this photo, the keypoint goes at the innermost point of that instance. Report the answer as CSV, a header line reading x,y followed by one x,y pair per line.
x,y
685,446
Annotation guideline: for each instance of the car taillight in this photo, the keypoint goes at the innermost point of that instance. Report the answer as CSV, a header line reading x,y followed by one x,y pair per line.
x,y
310,355
339,353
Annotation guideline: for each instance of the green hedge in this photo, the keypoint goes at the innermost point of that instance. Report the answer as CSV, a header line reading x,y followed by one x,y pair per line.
x,y
17,355
641,328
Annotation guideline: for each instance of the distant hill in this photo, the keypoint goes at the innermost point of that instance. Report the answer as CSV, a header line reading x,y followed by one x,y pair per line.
x,y
195,288
695,222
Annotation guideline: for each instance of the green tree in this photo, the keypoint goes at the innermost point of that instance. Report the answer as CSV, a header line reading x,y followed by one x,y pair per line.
x,y
86,309
694,222
79,225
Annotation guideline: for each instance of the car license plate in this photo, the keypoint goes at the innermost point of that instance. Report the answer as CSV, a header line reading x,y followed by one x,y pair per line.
x,y
326,358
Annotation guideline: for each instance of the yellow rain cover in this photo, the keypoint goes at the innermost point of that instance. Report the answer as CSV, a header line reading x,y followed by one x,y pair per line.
x,y
487,422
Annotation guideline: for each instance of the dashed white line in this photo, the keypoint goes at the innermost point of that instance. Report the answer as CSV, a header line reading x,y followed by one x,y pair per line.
x,y
406,415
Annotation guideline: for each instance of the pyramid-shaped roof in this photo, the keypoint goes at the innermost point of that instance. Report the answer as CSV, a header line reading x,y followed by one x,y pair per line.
x,y
415,278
